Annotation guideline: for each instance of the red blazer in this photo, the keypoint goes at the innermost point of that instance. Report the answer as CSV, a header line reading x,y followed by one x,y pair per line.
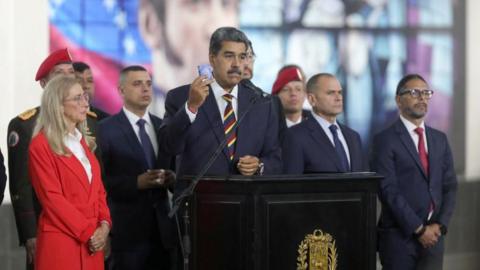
x,y
72,208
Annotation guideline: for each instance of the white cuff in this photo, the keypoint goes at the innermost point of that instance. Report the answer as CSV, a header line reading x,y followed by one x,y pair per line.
x,y
190,114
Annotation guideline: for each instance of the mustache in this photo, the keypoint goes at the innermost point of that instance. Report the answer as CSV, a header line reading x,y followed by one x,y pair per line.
x,y
235,70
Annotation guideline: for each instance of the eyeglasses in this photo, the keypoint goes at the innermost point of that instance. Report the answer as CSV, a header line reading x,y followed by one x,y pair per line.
x,y
415,93
79,98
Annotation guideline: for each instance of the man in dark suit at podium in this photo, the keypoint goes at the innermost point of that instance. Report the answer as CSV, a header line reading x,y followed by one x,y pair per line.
x,y
201,115
136,179
320,143
418,191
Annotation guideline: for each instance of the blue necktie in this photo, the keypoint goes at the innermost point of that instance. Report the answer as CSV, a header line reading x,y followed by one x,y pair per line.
x,y
342,156
146,144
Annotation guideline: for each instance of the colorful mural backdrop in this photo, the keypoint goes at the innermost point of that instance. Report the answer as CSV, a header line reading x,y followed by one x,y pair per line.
x,y
368,44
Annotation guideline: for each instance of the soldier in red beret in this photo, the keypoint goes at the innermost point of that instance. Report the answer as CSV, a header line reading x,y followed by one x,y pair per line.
x,y
290,88
25,205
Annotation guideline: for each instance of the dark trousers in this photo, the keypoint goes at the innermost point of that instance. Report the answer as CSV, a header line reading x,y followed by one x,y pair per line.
x,y
406,253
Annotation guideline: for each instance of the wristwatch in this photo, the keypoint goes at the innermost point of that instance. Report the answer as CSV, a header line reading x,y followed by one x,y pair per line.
x,y
261,168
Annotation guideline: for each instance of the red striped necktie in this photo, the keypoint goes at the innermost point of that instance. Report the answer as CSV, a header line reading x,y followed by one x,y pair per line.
x,y
229,123
422,152
421,149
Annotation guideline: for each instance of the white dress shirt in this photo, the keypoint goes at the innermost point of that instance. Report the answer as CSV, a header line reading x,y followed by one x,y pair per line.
x,y
326,128
72,141
291,123
218,92
411,131
133,119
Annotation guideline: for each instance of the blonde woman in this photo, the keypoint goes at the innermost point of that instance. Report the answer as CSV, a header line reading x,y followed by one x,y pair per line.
x,y
75,220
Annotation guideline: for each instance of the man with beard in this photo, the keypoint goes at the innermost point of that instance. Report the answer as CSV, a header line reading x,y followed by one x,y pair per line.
x,y
419,188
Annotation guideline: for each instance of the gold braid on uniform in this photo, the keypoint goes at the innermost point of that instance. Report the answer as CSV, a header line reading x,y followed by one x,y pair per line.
x,y
27,114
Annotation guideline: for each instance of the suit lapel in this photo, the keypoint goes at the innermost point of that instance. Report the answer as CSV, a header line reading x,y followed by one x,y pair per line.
x,y
243,101
432,150
93,164
350,141
322,139
408,143
211,110
77,169
130,136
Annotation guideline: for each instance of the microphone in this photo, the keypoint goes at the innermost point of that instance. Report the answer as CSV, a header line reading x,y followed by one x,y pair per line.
x,y
248,84
189,190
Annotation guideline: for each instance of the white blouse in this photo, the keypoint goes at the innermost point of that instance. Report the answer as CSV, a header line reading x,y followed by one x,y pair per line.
x,y
72,141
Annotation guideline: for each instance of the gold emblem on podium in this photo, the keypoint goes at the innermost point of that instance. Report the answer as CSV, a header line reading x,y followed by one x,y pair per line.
x,y
317,252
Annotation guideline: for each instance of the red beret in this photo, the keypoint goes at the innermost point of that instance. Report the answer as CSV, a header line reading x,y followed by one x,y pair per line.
x,y
55,58
285,76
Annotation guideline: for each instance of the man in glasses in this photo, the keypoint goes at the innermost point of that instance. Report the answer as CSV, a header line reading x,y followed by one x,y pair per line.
x,y
419,188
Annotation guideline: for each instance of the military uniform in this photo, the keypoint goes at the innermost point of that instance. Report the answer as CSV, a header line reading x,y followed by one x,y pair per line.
x,y
99,113
25,205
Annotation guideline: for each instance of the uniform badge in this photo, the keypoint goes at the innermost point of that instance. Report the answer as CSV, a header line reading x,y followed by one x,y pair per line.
x,y
13,139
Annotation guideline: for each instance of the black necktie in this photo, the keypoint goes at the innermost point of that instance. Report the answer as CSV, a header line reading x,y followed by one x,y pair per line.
x,y
342,156
146,144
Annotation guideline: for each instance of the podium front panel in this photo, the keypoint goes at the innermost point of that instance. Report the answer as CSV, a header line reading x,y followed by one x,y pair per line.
x,y
220,221
262,223
288,218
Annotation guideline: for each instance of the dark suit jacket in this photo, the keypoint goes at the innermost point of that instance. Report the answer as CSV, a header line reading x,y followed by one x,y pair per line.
x,y
307,149
406,191
194,143
138,215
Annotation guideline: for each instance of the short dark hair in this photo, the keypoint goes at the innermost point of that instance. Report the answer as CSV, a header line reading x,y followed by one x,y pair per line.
x,y
406,79
226,34
80,66
126,70
312,82
250,46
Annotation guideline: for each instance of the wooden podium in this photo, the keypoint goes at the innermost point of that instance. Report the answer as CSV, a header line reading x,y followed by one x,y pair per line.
x,y
318,221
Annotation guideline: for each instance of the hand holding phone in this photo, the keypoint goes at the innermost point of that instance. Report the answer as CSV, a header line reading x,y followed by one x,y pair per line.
x,y
205,70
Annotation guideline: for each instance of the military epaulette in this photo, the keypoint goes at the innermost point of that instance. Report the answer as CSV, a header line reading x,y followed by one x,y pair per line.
x,y
92,114
27,114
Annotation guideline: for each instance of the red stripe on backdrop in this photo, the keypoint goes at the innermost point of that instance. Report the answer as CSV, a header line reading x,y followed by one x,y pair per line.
x,y
105,71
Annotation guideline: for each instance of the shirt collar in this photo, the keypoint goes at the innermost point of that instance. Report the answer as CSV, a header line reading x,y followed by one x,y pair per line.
x,y
411,126
133,118
324,123
292,123
218,91
75,136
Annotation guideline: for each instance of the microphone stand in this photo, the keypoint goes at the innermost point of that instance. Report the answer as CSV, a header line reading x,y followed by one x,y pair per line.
x,y
185,240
